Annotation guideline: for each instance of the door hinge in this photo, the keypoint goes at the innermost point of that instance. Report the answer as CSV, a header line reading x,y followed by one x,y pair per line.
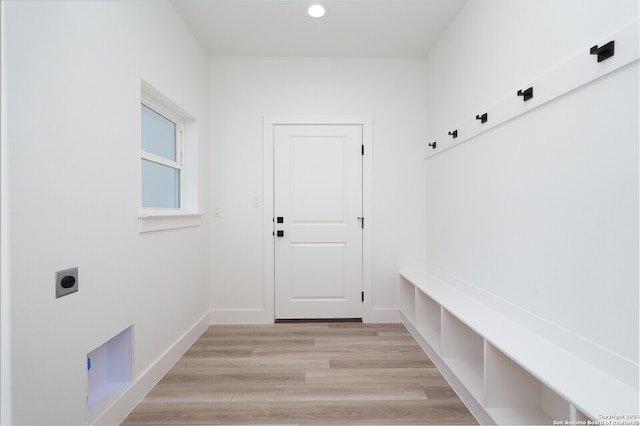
x,y
362,149
362,296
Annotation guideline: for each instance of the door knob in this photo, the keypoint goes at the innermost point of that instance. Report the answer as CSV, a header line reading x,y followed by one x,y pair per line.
x,y
280,233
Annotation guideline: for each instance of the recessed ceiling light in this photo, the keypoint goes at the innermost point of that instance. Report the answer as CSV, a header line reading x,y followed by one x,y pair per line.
x,y
316,11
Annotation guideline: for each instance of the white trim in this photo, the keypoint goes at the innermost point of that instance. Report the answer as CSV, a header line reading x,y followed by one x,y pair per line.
x,y
149,221
160,160
178,163
5,264
241,316
130,398
154,214
159,219
367,192
175,118
385,315
369,313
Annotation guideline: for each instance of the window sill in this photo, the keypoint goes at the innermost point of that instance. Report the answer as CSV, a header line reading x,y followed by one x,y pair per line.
x,y
149,222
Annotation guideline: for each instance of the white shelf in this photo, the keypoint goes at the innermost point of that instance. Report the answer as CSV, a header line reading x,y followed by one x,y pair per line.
x,y
577,414
407,298
428,320
511,390
502,370
519,416
463,352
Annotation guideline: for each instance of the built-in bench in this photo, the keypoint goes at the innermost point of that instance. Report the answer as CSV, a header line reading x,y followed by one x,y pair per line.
x,y
504,372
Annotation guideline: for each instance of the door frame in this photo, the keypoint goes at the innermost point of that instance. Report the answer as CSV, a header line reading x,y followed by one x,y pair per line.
x,y
268,202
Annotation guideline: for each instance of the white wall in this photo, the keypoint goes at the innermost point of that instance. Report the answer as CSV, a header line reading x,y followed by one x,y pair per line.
x,y
541,212
242,91
73,72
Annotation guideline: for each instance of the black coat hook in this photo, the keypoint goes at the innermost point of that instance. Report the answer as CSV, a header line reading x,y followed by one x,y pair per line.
x,y
454,133
526,94
605,51
482,118
433,144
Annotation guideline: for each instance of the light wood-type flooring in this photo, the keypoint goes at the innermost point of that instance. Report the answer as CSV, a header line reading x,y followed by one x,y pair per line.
x,y
303,374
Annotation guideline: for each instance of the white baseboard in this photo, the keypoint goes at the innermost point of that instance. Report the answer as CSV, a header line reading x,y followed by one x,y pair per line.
x,y
241,316
262,316
127,401
383,315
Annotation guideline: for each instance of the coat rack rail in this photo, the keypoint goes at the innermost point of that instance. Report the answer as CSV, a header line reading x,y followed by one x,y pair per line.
x,y
577,71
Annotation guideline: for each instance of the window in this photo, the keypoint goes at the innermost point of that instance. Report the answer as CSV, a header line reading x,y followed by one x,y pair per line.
x,y
169,146
161,156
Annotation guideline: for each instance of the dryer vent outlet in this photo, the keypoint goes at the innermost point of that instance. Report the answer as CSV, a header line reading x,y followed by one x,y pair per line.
x,y
66,282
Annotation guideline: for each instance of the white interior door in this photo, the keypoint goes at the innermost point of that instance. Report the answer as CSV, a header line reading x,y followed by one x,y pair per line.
x,y
318,224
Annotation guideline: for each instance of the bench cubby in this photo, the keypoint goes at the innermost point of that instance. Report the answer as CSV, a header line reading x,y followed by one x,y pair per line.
x,y
463,352
428,319
502,370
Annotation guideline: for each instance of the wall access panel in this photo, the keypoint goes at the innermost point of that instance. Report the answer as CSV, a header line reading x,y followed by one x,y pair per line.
x,y
109,372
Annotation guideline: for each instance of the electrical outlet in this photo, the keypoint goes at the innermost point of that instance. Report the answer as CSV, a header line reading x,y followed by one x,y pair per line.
x,y
217,211
66,282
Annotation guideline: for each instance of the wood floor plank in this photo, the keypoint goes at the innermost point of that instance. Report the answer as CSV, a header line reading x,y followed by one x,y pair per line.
x,y
368,362
234,331
198,414
269,363
256,341
342,350
303,374
438,388
364,326
423,376
351,340
202,350
393,332
171,393
373,413
293,333
332,392
219,377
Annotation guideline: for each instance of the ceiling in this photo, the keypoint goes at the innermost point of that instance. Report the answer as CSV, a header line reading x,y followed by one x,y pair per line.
x,y
350,28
